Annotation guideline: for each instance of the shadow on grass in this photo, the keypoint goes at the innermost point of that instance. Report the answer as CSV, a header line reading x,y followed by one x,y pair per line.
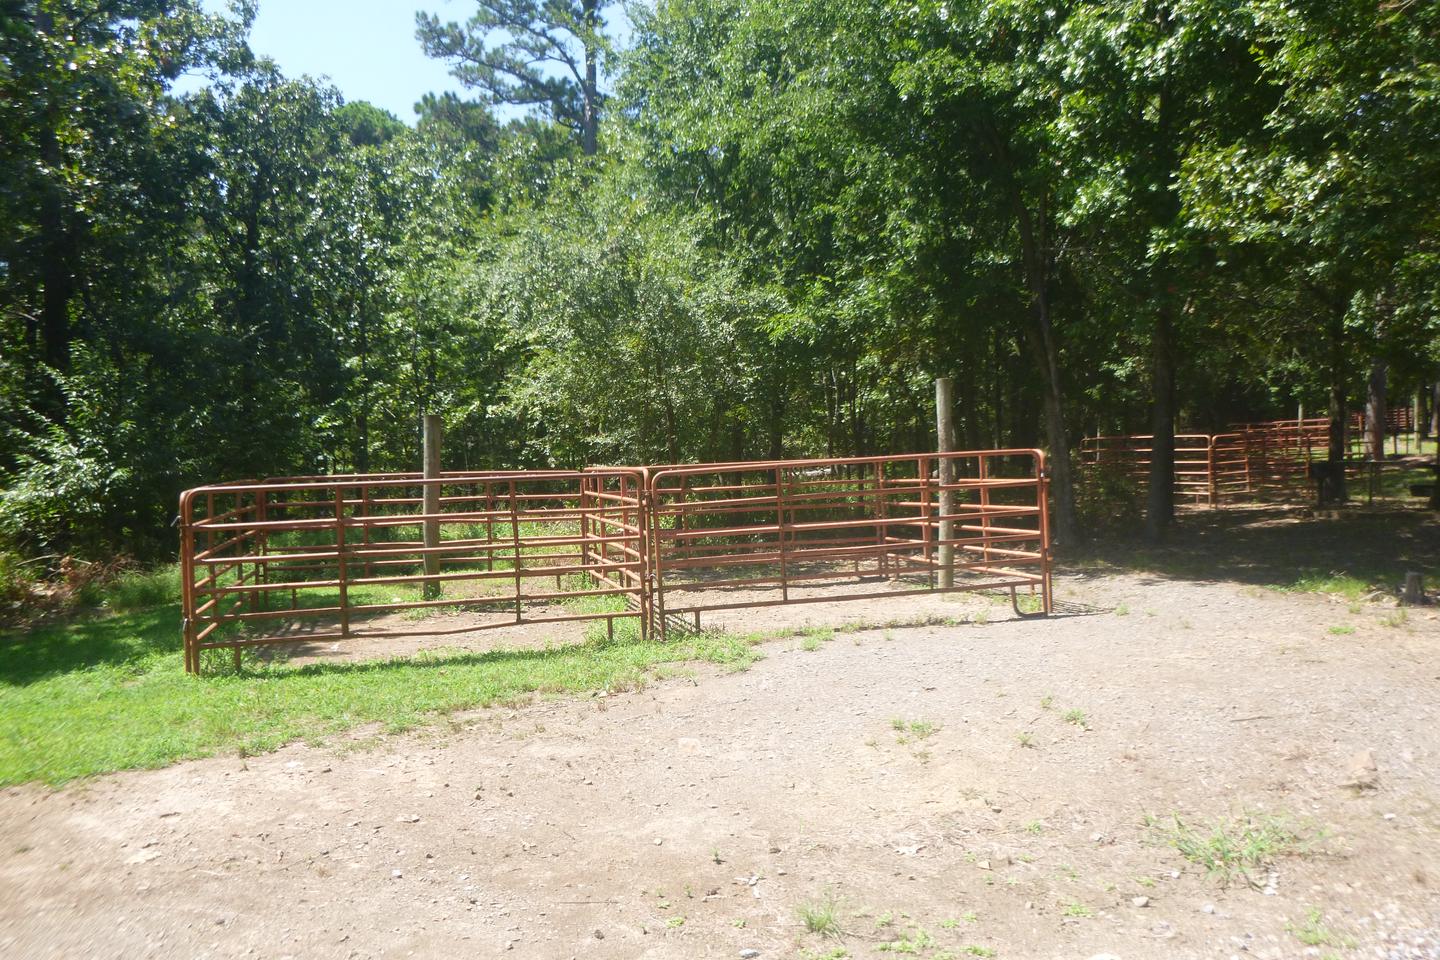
x,y
1281,546
27,656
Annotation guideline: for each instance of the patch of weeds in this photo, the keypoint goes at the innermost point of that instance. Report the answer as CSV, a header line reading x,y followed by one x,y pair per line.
x,y
970,917
1397,619
1122,610
949,924
1047,701
913,730
821,916
1076,718
810,644
839,953
674,922
1076,910
980,618
1314,933
738,924
916,943
1034,827
1025,739
1029,603
1230,849
884,920
1342,630
1146,882
974,950
1340,584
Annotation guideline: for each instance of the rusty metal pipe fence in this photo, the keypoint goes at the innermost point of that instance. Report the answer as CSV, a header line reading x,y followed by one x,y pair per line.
x,y
1252,460
308,560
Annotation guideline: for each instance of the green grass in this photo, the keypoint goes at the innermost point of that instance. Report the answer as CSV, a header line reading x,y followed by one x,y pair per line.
x,y
1338,584
821,917
110,693
1314,933
1230,849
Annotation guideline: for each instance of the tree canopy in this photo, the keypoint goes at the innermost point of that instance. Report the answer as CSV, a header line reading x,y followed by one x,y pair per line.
x,y
757,228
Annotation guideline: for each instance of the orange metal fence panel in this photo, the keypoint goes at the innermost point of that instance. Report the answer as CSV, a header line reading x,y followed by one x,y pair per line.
x,y
730,536
324,559
306,560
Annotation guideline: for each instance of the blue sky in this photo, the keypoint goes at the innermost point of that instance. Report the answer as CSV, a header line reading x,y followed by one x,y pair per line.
x,y
367,48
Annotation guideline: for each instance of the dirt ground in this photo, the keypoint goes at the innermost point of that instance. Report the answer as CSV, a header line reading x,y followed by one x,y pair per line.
x,y
699,816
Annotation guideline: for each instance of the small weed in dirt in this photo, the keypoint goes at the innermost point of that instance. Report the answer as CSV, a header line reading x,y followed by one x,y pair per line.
x,y
821,916
949,924
1076,910
1024,739
810,644
1397,619
1122,610
974,950
1342,630
884,920
1034,827
913,730
1047,701
839,953
675,922
1314,933
738,923
1230,849
915,944
1076,718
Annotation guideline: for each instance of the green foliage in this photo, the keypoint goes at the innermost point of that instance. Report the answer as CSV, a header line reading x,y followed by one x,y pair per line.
x,y
805,210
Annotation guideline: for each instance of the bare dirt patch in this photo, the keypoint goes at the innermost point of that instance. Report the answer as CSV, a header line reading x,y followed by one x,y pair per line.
x,y
936,791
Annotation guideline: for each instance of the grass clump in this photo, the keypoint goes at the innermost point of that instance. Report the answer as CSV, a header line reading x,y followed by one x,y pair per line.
x,y
1231,849
1314,933
821,917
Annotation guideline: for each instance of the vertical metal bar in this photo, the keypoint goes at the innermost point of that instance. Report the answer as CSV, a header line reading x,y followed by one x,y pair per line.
x,y
780,531
187,585
882,511
984,468
515,544
341,565
927,520
365,528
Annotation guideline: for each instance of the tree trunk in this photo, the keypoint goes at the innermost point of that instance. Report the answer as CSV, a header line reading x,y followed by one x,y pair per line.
x,y
1160,504
1375,411
57,243
1336,452
590,122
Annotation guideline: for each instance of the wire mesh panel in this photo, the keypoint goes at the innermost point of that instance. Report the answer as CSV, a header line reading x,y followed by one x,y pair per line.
x,y
728,536
304,560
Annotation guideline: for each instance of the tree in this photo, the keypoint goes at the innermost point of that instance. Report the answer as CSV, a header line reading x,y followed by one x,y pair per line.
x,y
543,54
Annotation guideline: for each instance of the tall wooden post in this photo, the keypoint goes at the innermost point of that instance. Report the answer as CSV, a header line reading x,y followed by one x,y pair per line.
x,y
945,437
434,429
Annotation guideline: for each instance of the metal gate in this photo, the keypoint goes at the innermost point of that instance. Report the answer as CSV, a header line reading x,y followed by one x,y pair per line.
x,y
312,559
730,536
300,560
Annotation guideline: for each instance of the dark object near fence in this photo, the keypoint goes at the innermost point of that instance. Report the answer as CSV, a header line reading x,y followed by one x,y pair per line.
x,y
1329,479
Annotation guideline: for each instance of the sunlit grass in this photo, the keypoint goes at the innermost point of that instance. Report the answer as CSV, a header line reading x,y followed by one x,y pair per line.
x,y
109,693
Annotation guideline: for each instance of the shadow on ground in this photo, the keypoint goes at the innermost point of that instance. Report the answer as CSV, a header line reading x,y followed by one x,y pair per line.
x,y
1282,546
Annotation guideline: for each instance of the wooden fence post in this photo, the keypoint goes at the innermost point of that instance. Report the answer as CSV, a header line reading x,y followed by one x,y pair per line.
x,y
944,433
